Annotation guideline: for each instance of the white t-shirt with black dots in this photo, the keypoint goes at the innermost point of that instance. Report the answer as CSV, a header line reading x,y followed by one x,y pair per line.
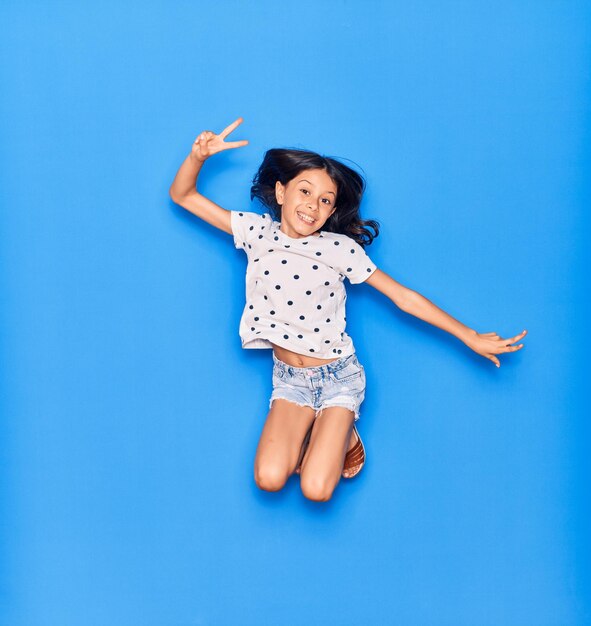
x,y
295,292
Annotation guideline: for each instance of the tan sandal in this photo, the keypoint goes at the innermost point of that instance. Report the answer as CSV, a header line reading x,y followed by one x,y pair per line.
x,y
355,457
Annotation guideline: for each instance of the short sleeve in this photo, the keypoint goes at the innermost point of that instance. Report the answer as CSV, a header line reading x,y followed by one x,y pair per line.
x,y
355,264
246,227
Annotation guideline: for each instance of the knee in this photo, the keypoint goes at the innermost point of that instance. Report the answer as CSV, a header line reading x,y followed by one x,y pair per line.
x,y
269,477
316,489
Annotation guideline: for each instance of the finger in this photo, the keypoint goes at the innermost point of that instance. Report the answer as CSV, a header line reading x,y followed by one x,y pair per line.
x,y
509,348
201,146
521,335
495,360
230,128
511,340
488,334
508,340
235,144
512,348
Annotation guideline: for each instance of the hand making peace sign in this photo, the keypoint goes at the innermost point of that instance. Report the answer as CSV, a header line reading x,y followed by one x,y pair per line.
x,y
208,143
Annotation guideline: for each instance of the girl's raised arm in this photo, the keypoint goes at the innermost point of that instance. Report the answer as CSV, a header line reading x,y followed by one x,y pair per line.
x,y
183,189
487,345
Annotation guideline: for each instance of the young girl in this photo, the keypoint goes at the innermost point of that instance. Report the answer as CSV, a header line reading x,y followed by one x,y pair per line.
x,y
295,305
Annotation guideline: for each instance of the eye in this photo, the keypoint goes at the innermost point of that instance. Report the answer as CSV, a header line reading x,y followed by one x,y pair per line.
x,y
327,200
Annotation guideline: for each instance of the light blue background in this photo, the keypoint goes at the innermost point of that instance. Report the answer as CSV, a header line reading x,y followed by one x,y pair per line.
x,y
130,412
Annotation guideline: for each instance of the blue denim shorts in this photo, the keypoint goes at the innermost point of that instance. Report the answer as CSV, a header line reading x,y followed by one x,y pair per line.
x,y
338,383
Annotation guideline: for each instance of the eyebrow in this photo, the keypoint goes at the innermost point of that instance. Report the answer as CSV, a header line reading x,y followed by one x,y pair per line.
x,y
303,180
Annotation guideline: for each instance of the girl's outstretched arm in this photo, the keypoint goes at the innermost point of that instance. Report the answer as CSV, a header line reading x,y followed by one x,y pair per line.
x,y
410,301
183,189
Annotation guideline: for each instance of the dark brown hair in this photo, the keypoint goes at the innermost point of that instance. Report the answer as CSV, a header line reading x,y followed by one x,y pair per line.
x,y
284,164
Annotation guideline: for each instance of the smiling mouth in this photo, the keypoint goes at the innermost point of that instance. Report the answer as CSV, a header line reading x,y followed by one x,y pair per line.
x,y
305,218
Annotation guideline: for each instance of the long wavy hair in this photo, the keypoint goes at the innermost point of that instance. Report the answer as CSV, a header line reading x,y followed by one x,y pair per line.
x,y
284,164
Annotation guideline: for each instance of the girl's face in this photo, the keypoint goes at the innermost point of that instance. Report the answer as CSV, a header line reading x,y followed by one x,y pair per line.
x,y
307,201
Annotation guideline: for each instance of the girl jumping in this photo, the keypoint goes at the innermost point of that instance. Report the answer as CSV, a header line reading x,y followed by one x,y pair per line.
x,y
299,254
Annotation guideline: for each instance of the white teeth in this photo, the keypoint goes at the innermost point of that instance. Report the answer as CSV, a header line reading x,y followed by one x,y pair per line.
x,y
306,218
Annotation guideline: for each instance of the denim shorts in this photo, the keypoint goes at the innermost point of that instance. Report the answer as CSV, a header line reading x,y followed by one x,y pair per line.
x,y
338,383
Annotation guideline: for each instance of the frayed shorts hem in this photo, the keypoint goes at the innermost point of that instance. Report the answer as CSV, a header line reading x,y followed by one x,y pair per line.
x,y
329,403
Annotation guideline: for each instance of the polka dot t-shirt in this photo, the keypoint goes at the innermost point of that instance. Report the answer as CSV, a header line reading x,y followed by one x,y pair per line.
x,y
295,292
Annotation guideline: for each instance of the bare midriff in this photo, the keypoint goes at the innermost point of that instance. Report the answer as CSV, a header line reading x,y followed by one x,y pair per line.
x,y
298,360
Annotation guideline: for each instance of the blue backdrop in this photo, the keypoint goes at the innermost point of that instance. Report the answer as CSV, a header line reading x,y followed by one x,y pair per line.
x,y
130,413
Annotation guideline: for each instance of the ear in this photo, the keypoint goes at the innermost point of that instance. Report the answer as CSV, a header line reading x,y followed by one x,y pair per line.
x,y
334,208
279,191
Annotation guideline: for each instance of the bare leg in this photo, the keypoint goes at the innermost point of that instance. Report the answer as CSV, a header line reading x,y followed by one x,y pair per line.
x,y
323,462
280,443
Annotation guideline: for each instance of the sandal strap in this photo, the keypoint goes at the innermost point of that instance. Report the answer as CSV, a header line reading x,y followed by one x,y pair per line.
x,y
353,462
355,455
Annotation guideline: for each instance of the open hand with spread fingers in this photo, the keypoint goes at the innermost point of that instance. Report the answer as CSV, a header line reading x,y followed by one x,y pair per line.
x,y
489,344
208,143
